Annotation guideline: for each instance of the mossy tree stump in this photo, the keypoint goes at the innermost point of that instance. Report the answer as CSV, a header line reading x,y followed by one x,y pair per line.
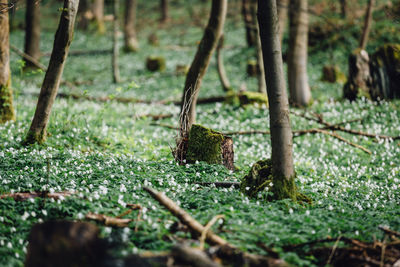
x,y
246,98
207,145
385,72
155,63
359,80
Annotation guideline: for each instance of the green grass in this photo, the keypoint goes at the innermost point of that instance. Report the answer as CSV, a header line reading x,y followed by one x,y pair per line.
x,y
105,154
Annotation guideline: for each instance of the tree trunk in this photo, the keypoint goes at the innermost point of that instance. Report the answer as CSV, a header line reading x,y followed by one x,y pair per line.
x,y
200,64
249,9
51,82
226,86
262,86
283,8
164,11
367,25
131,43
281,132
115,54
6,102
32,32
299,88
98,15
83,11
343,8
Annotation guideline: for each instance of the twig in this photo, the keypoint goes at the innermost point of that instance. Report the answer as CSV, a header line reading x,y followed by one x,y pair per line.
x,y
154,116
165,126
220,184
27,195
344,140
389,231
28,57
207,228
107,220
184,217
333,251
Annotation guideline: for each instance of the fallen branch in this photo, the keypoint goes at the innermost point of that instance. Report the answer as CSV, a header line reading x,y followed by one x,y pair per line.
x,y
389,231
22,196
207,229
165,126
107,220
185,218
28,57
344,140
85,52
220,184
337,127
154,116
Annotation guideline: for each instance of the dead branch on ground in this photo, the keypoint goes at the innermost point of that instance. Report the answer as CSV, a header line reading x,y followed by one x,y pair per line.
x,y
22,196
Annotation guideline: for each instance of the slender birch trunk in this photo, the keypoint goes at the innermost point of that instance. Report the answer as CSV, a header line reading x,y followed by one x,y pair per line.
x,y
283,8
6,98
200,63
98,14
299,88
249,8
262,86
281,132
51,82
115,54
226,86
367,25
130,40
32,32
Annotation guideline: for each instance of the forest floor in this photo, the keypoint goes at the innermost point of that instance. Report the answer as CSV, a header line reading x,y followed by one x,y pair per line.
x,y
105,152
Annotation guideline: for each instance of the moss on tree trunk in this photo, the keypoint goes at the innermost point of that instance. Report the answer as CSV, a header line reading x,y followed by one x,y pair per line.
x,y
6,103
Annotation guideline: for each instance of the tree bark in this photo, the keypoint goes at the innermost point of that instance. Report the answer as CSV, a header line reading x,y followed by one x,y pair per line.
x,y
249,9
115,54
262,86
6,101
283,8
164,11
32,32
83,11
226,86
367,25
51,82
130,39
299,88
98,14
200,63
281,132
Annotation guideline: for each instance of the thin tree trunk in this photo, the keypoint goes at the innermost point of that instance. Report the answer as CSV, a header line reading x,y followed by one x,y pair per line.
x,y
367,25
131,43
164,11
220,66
98,14
281,132
51,82
299,88
6,101
343,8
200,63
249,8
32,31
115,54
83,10
262,86
283,8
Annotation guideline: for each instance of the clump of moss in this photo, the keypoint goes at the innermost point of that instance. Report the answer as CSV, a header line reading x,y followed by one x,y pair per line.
x,y
6,104
258,178
261,176
246,98
204,144
155,63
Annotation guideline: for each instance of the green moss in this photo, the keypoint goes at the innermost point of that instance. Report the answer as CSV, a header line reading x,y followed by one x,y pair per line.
x,y
7,112
34,138
258,178
204,145
155,63
247,98
262,176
